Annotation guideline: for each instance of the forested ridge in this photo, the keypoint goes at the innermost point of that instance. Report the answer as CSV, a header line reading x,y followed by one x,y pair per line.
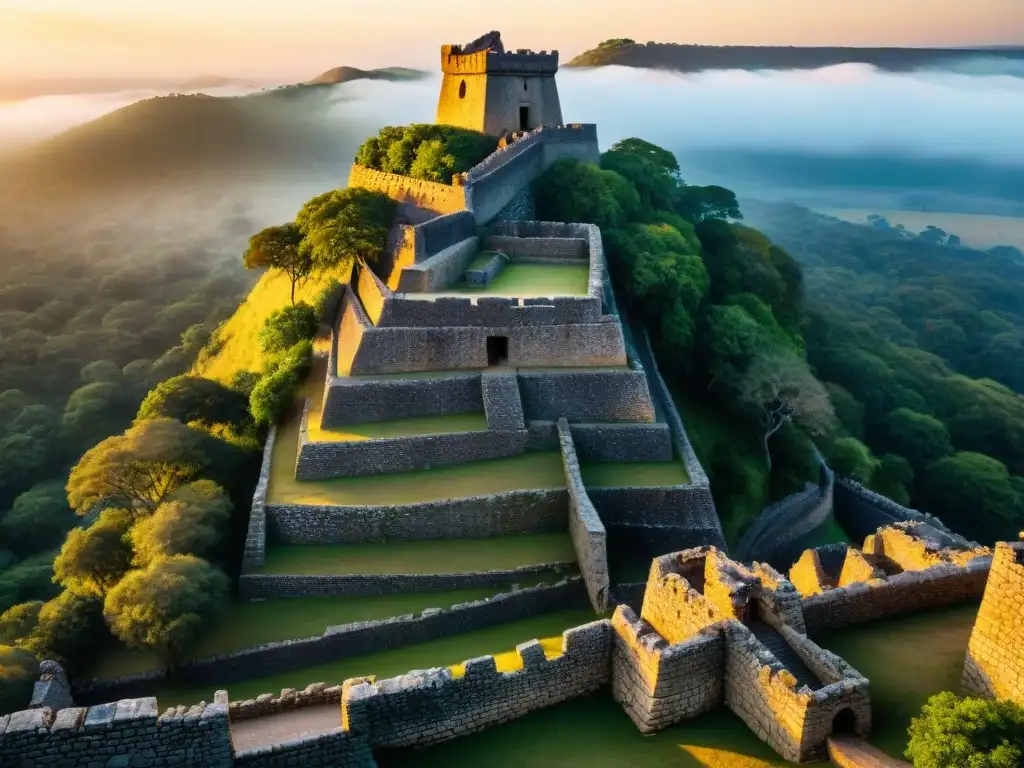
x,y
921,346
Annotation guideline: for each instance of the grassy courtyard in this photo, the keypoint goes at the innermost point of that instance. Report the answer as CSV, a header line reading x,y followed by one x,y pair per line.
x,y
447,651
427,425
643,474
246,624
495,553
527,281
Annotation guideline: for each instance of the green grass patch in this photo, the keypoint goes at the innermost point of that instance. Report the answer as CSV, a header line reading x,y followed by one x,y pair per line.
x,y
594,732
527,471
617,474
907,659
427,425
495,553
246,624
435,653
525,280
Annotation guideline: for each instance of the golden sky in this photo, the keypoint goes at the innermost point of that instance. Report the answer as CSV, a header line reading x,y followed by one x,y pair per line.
x,y
281,40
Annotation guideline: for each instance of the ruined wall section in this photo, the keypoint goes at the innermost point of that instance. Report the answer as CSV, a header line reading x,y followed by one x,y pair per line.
x,y
915,546
994,667
672,606
861,512
588,534
405,190
256,533
502,405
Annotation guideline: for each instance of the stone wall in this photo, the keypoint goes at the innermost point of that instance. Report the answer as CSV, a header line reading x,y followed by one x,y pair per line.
x,y
429,195
355,639
129,732
499,514
502,404
337,458
431,706
335,749
256,533
659,684
557,250
490,311
372,293
591,396
351,400
897,595
589,537
260,586
549,235
483,276
913,546
623,442
441,270
994,666
861,511
522,207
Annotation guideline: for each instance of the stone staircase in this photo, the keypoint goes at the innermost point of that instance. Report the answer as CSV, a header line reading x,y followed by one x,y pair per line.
x,y
782,651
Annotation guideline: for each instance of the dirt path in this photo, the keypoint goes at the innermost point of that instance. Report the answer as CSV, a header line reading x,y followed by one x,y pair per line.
x,y
297,724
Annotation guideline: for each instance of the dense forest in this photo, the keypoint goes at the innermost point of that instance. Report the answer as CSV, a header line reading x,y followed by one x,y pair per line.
x,y
693,58
921,346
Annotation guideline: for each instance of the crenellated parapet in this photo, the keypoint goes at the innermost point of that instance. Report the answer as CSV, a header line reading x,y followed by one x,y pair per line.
x,y
491,62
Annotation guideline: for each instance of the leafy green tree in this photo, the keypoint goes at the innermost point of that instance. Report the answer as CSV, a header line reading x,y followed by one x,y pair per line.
x,y
138,469
655,183
286,327
893,477
18,621
662,158
38,519
166,605
275,391
194,399
579,192
978,733
191,521
849,411
29,579
974,494
278,248
702,203
93,559
69,627
849,457
425,150
345,225
919,437
18,673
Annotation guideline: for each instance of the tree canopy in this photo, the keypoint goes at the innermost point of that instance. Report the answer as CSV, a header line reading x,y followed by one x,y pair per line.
x,y
971,732
279,248
425,151
343,226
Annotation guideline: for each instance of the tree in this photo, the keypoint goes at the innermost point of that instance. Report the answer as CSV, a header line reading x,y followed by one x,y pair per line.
x,y
661,158
286,327
919,437
702,203
18,673
780,389
573,191
18,621
849,457
974,494
138,469
345,225
893,477
278,248
194,399
190,522
38,519
978,733
166,605
275,391
654,182
68,628
93,559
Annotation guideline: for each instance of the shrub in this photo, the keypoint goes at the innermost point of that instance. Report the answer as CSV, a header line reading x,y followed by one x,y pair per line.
x,y
194,399
425,151
286,327
19,620
970,732
190,522
275,391
18,673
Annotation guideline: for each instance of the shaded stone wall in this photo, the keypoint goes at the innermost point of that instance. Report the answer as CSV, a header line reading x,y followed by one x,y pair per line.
x,y
372,293
861,511
499,514
354,640
427,707
129,732
336,749
554,231
441,270
994,666
588,534
623,442
502,405
522,207
659,684
429,195
490,270
350,400
593,396
256,533
255,586
903,593
558,250
492,311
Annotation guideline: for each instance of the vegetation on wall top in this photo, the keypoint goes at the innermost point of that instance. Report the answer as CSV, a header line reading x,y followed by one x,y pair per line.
x,y
425,151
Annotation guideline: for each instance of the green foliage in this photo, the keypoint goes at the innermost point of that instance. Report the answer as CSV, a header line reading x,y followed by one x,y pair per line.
x,y
702,203
425,151
18,621
193,399
848,410
893,477
278,248
18,673
38,519
275,391
191,521
977,733
166,605
655,182
920,438
616,42
286,327
68,628
93,559
849,457
138,469
974,493
573,191
345,225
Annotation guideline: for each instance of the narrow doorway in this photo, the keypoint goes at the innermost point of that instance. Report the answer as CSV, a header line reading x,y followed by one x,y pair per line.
x,y
845,722
524,118
497,350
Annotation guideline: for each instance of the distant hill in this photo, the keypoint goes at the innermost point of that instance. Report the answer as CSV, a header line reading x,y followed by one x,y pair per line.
x,y
172,139
340,75
694,58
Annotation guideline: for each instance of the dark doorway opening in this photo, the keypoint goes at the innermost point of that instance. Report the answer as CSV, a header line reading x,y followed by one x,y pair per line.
x,y
497,350
524,118
844,722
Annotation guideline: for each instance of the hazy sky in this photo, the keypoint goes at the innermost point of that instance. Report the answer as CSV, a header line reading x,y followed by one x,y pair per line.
x,y
282,40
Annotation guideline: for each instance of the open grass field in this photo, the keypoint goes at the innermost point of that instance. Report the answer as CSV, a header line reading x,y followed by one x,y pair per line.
x,y
246,624
974,230
907,659
496,553
427,425
594,732
528,471
443,652
614,474
528,281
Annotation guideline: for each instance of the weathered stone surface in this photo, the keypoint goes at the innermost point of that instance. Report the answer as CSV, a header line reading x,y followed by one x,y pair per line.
x,y
588,533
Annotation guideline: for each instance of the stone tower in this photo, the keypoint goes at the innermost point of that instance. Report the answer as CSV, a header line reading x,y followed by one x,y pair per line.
x,y
488,89
994,667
